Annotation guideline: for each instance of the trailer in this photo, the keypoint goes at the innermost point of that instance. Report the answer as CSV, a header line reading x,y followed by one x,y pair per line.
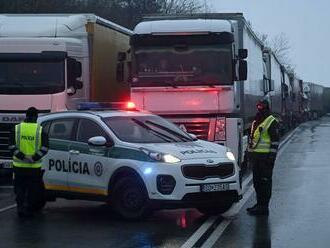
x,y
204,72
53,62
296,100
316,100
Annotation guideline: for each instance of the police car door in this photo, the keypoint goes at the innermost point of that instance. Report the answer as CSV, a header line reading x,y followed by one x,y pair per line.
x,y
88,169
55,163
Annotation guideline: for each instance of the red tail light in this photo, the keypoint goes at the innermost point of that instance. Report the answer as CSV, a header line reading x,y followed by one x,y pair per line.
x,y
220,129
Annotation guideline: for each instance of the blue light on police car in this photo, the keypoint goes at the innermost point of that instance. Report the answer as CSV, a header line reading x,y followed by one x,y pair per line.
x,y
107,106
89,105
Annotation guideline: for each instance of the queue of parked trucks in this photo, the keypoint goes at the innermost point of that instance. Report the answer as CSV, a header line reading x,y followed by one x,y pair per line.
x,y
204,72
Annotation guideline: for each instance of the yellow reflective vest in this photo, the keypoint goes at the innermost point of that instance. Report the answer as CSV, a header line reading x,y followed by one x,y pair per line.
x,y
261,141
28,141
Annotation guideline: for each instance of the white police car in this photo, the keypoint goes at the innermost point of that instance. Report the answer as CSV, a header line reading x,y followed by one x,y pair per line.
x,y
136,161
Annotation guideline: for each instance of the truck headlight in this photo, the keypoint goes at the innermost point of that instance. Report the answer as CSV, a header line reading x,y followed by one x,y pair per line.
x,y
230,156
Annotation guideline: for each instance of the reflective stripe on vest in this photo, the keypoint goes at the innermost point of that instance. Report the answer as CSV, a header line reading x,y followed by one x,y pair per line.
x,y
261,140
28,141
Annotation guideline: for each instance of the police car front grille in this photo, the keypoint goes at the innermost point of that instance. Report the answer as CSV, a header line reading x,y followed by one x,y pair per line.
x,y
201,171
5,130
199,128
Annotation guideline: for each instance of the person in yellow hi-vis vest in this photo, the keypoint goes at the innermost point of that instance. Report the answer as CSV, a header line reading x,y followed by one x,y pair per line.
x,y
263,145
29,144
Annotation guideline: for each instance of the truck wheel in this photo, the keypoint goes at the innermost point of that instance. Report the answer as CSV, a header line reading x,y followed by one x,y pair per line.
x,y
217,208
130,198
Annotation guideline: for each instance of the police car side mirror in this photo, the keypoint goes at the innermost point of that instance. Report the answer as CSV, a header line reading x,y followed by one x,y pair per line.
x,y
97,141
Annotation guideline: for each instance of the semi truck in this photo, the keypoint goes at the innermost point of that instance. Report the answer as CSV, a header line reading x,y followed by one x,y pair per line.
x,y
204,72
53,62
316,100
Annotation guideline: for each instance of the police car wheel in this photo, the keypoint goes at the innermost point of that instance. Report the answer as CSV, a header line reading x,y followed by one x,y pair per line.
x,y
130,198
215,209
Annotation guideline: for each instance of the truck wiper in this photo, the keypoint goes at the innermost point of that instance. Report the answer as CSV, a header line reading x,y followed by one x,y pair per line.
x,y
181,136
158,134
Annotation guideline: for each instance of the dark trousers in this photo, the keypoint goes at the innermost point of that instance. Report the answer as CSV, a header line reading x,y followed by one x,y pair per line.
x,y
28,188
262,178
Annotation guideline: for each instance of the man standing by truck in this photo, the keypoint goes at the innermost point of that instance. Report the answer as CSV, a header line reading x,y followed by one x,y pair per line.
x,y
263,145
29,145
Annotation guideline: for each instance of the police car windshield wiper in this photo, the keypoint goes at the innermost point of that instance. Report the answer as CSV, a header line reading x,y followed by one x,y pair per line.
x,y
179,135
158,134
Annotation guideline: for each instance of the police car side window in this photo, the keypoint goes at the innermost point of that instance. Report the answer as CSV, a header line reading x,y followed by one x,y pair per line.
x,y
45,126
61,129
88,129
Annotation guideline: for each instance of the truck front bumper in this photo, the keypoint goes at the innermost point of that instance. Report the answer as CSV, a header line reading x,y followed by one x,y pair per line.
x,y
6,170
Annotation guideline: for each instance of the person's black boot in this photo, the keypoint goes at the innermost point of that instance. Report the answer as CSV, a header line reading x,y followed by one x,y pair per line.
x,y
252,208
259,210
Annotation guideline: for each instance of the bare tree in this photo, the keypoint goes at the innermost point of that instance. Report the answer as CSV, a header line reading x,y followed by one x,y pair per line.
x,y
280,45
125,12
183,6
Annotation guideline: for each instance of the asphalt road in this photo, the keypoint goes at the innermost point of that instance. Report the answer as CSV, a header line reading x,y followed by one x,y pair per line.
x,y
299,217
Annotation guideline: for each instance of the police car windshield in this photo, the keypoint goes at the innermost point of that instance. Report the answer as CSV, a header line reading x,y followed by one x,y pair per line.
x,y
146,129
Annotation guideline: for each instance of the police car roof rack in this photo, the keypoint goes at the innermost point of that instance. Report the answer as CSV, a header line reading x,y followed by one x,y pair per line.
x,y
103,106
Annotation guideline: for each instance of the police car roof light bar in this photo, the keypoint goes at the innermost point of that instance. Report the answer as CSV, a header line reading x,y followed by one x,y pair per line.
x,y
102,106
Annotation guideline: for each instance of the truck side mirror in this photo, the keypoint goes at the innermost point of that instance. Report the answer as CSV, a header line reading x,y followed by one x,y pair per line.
x,y
78,84
121,56
77,69
242,70
271,85
242,53
74,71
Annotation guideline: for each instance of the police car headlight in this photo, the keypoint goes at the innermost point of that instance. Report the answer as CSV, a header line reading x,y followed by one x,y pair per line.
x,y
157,156
230,156
168,158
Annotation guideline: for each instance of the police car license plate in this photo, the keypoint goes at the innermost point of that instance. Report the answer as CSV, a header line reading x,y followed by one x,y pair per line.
x,y
215,187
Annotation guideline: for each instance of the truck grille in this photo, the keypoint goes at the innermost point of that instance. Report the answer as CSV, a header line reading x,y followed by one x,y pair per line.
x,y
5,130
199,128
201,171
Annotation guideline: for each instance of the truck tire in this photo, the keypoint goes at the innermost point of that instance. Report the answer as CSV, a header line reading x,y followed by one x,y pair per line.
x,y
130,198
215,209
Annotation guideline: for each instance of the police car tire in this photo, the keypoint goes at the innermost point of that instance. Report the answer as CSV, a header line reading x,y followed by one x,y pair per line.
x,y
130,198
218,208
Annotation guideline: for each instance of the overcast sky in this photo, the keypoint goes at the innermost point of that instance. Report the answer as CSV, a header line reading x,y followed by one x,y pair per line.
x,y
305,22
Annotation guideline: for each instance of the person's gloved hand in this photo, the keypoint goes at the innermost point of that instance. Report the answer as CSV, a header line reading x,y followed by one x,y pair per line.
x,y
28,159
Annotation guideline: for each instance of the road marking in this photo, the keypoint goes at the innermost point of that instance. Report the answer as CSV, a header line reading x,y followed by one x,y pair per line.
x,y
199,233
210,221
7,208
247,191
247,194
6,187
228,219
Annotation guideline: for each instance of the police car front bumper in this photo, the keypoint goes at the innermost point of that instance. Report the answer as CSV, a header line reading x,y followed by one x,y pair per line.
x,y
186,192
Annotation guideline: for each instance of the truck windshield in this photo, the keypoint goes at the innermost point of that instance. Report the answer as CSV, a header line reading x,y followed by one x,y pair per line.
x,y
146,129
180,66
31,77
